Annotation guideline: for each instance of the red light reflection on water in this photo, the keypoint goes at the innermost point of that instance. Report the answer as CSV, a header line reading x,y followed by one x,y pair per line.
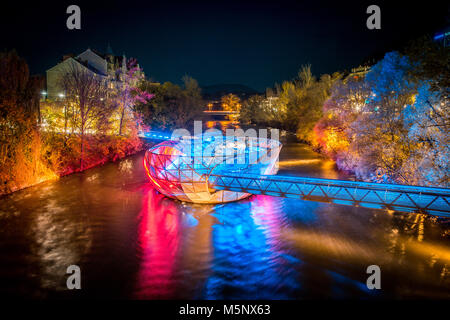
x,y
159,241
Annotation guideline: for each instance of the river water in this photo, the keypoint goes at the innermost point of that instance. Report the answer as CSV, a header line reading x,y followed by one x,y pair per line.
x,y
131,242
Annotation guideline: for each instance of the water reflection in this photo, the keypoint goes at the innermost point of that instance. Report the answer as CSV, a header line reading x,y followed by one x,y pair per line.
x,y
174,247
58,243
249,261
132,242
309,164
158,243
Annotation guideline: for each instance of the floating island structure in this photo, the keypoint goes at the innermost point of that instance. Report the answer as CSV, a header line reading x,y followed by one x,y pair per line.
x,y
182,168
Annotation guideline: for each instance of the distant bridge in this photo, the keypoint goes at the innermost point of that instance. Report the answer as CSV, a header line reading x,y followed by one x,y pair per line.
x,y
220,112
429,200
154,135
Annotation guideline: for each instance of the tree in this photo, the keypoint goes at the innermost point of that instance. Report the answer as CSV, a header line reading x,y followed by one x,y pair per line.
x,y
428,125
127,94
428,119
173,106
231,102
305,77
87,93
301,100
332,133
57,116
380,135
364,123
431,62
251,110
393,126
20,153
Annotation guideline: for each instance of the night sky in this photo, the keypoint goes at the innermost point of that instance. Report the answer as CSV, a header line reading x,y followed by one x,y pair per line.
x,y
252,43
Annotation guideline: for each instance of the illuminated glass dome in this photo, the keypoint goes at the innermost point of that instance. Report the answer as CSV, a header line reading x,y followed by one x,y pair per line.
x,y
181,169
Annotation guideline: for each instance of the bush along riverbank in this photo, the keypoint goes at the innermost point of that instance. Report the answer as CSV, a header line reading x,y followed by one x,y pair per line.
x,y
65,154
49,156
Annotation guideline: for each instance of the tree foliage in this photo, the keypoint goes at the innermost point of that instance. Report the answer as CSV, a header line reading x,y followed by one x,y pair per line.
x,y
125,96
86,94
393,125
21,160
173,106
294,105
231,102
251,110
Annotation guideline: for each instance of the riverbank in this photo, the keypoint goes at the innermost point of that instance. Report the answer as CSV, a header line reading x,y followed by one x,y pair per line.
x,y
50,156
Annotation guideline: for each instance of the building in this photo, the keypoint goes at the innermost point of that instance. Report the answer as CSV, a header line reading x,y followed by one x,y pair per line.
x,y
270,104
357,73
107,66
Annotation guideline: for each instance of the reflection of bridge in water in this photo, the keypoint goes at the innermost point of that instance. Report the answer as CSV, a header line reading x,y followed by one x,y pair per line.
x,y
395,197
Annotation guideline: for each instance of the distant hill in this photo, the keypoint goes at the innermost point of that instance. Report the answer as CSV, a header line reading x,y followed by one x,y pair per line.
x,y
215,92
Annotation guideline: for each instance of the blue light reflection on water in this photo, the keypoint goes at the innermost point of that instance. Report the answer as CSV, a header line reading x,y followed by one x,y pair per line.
x,y
253,259
249,261
132,242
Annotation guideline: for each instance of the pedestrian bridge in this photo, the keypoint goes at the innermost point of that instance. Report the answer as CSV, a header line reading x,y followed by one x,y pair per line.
x,y
219,112
193,176
434,201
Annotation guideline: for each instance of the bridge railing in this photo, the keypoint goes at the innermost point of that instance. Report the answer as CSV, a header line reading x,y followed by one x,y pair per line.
x,y
435,201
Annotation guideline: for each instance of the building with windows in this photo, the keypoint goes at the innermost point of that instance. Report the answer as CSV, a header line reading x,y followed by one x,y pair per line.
x,y
357,73
270,104
108,66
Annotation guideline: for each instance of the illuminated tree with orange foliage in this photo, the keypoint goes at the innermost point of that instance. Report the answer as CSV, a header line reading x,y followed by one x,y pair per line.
x,y
21,162
332,134
231,102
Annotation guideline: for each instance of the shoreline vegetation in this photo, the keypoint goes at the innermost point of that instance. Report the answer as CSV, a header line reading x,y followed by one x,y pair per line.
x,y
390,125
109,149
